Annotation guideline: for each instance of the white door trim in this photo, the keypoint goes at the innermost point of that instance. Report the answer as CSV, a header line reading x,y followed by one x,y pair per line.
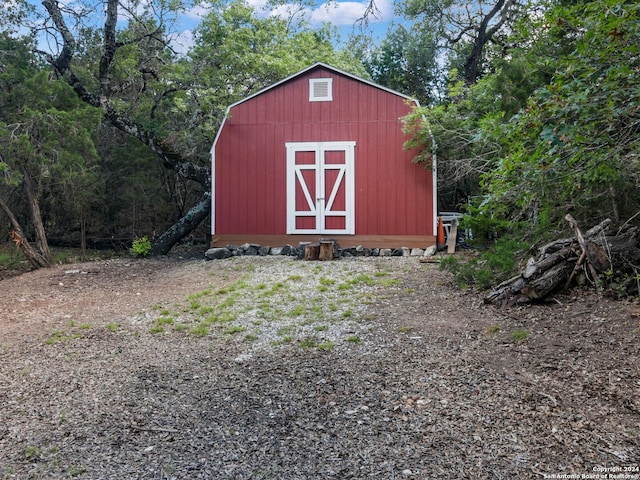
x,y
321,207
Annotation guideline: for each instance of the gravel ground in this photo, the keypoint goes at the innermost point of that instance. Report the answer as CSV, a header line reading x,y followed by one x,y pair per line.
x,y
274,368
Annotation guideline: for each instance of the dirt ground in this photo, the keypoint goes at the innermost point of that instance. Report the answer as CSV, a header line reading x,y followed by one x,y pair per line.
x,y
383,369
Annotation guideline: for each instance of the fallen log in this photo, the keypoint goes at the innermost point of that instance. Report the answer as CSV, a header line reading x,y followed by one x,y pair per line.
x,y
565,262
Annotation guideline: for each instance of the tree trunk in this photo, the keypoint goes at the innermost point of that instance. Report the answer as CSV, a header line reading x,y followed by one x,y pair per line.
x,y
102,99
165,242
36,217
312,251
83,234
483,35
326,251
17,235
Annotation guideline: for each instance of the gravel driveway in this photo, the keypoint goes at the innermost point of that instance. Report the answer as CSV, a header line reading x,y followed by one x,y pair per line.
x,y
275,368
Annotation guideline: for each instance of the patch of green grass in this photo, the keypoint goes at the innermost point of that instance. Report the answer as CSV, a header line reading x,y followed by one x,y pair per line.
x,y
62,257
317,309
321,328
347,313
156,329
325,346
84,326
405,329
297,310
307,342
233,329
275,288
113,327
209,319
327,281
165,321
76,471
323,288
519,335
32,452
493,329
205,310
200,330
286,330
389,282
7,472
294,278
251,337
228,302
362,278
9,259
239,285
226,317
180,327
61,336
353,339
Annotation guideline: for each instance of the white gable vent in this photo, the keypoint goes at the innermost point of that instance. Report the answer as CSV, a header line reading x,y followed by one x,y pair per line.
x,y
320,89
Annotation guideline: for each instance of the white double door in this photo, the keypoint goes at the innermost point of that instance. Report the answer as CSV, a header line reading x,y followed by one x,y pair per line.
x,y
320,187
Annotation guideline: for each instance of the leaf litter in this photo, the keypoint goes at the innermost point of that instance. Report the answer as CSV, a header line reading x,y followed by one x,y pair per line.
x,y
436,386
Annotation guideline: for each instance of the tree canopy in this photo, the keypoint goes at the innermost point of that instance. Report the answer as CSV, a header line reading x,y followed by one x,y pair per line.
x,y
551,127
119,63
531,107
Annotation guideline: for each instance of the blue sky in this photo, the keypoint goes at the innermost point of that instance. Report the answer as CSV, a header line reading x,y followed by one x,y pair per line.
x,y
342,14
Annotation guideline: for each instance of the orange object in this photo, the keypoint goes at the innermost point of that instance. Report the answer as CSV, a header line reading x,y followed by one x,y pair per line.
x,y
440,237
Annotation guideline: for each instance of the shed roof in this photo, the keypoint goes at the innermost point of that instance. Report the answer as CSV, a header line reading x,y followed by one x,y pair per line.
x,y
302,72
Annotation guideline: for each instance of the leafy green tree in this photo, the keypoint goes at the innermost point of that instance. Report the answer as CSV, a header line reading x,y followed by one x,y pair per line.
x,y
407,61
47,139
460,132
126,80
236,53
468,125
173,105
466,29
574,148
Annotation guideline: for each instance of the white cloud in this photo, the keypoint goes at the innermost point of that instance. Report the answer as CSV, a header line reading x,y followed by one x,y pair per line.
x,y
347,13
341,14
197,12
258,5
182,42
337,13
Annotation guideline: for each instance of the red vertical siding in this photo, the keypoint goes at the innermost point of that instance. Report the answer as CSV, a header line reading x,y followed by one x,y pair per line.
x,y
393,196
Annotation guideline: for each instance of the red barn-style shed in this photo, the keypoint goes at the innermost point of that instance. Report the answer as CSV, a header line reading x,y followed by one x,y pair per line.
x,y
320,155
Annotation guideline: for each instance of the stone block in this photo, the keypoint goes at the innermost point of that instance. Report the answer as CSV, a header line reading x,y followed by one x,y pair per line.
x,y
217,253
